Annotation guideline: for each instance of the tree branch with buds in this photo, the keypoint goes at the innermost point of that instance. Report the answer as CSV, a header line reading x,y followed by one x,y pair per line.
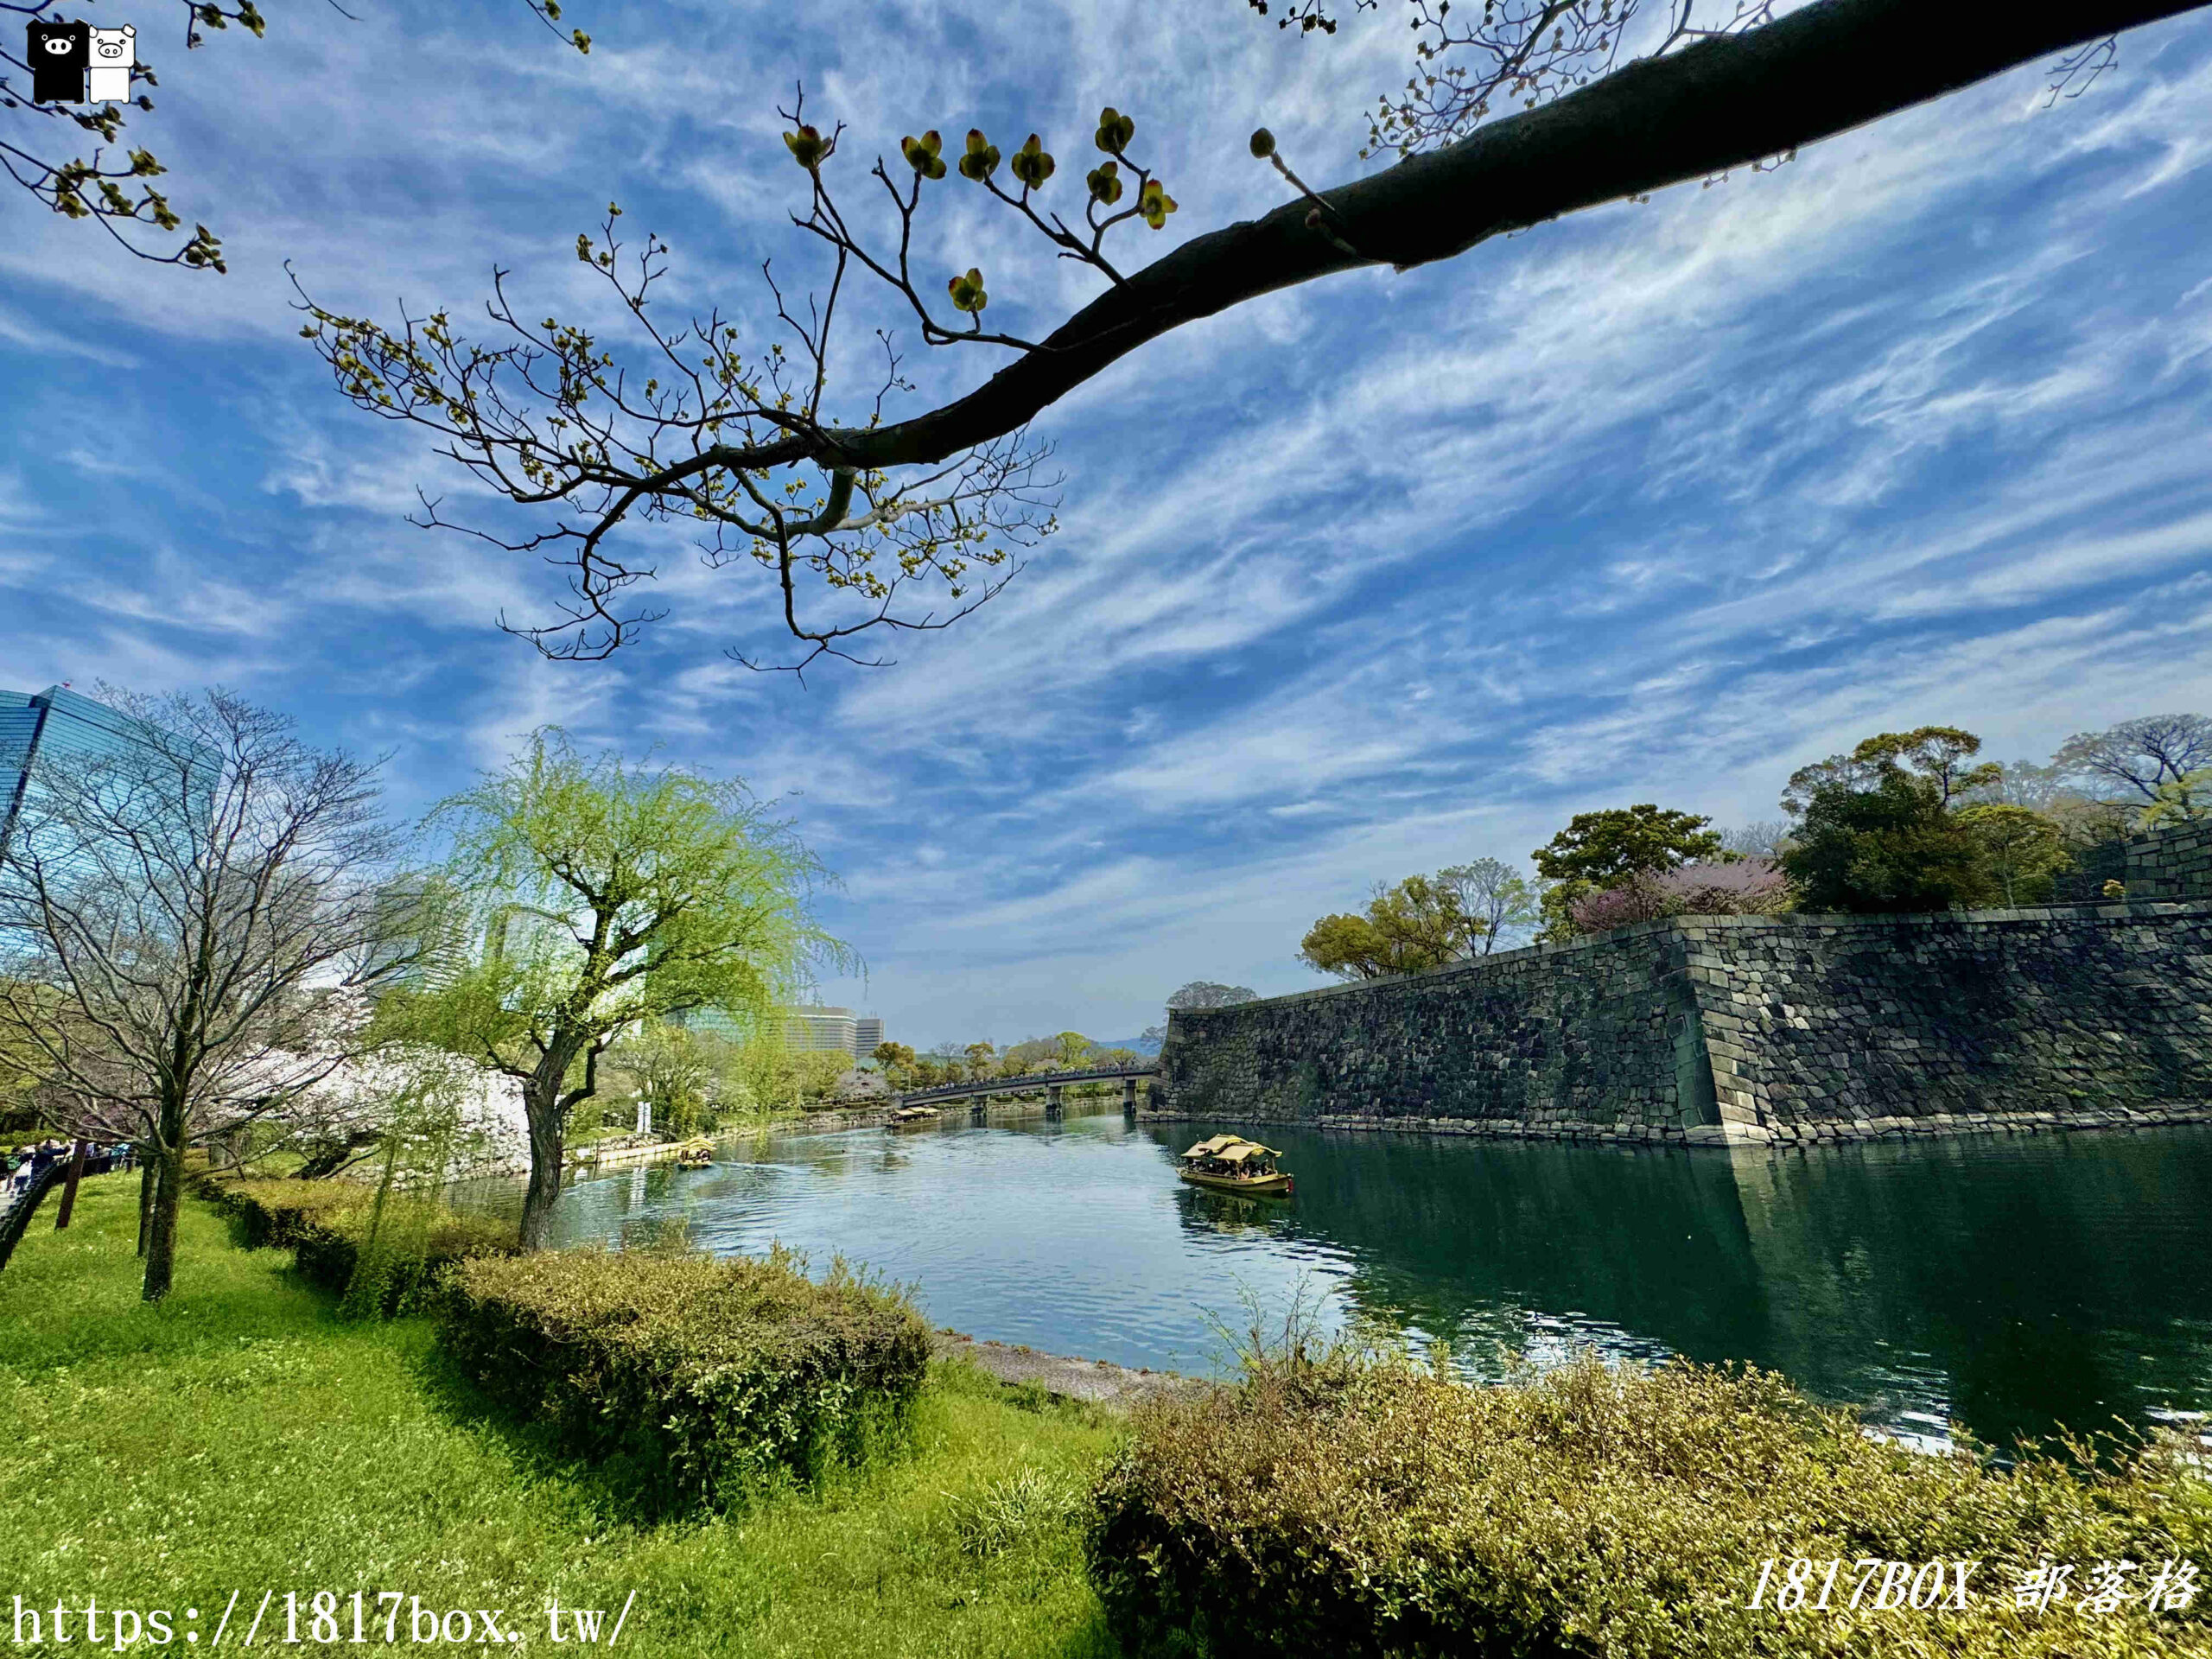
x,y
747,448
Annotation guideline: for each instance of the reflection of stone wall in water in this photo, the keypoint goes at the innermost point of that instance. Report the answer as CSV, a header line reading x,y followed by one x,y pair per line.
x,y
1742,1029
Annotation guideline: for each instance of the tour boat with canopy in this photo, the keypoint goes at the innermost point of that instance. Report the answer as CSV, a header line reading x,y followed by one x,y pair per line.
x,y
1230,1163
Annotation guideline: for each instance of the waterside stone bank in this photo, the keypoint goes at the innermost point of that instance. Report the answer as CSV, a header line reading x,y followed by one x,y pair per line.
x,y
1740,1028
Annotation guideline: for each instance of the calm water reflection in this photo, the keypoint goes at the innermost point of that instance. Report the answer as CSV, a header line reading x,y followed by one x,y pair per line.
x,y
2010,1284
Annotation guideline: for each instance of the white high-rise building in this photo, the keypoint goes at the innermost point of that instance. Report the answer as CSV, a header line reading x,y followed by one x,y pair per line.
x,y
816,1027
812,1027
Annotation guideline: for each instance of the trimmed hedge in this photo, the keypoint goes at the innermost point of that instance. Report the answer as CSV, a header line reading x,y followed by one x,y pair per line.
x,y
326,1223
1363,1506
708,1379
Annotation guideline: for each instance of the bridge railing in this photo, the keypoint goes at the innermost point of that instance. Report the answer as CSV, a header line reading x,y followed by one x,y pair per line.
x,y
1032,1080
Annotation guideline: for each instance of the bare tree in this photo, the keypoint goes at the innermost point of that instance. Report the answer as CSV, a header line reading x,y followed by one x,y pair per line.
x,y
1495,898
844,507
2147,755
185,919
1761,838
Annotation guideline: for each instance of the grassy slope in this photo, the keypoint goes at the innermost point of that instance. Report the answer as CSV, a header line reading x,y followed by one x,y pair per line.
x,y
241,1437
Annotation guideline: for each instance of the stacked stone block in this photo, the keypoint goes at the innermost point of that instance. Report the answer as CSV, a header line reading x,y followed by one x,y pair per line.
x,y
1742,1029
2174,863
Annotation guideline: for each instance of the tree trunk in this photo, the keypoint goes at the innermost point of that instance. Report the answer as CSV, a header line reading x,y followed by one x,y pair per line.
x,y
148,1180
540,1102
69,1192
161,1239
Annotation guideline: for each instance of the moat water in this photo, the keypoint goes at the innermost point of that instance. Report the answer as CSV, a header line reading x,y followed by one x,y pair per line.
x,y
2010,1285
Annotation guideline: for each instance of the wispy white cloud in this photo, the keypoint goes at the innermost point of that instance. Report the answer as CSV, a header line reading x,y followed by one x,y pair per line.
x,y
1653,503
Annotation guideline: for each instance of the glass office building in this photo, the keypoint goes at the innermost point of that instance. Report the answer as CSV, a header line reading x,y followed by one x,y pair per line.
x,y
54,725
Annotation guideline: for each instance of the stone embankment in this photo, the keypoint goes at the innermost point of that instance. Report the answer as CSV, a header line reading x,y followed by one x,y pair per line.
x,y
2175,864
953,1112
1742,1029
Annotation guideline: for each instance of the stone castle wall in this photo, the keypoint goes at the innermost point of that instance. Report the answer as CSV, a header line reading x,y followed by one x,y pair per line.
x,y
1741,1028
2172,864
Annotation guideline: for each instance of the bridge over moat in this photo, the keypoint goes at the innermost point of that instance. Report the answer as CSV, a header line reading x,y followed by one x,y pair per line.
x,y
1051,1081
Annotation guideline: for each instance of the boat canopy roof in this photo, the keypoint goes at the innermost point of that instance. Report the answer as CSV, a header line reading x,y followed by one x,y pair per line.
x,y
1230,1149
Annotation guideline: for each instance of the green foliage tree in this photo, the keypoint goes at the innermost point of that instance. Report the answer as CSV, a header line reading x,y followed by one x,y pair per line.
x,y
1076,1049
1891,848
1031,1054
2179,800
1597,850
1423,922
1200,993
2022,849
897,1060
612,895
1408,929
1942,755
1348,946
982,1059
673,1069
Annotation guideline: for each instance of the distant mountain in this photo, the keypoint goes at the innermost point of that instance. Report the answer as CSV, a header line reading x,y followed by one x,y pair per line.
x,y
1147,1049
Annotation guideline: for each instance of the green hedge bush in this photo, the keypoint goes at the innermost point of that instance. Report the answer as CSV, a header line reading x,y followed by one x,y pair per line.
x,y
1349,1505
706,1379
327,1224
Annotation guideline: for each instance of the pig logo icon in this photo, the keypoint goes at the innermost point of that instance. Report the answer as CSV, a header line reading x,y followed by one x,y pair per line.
x,y
61,53
114,54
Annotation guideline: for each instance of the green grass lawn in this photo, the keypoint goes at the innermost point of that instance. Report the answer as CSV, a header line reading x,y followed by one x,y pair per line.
x,y
240,1436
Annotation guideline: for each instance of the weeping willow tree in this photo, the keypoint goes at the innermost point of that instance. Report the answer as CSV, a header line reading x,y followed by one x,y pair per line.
x,y
605,894
427,1139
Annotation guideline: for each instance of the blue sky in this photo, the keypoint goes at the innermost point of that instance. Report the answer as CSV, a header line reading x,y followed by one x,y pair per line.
x,y
1378,574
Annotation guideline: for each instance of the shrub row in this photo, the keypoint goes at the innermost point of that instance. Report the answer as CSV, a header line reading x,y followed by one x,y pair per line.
x,y
1361,1506
327,1224
704,1379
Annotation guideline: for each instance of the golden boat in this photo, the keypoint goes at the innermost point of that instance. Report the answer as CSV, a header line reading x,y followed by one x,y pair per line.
x,y
913,1117
1230,1163
695,1154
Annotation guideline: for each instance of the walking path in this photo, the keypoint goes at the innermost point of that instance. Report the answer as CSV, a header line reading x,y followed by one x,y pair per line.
x,y
1094,1381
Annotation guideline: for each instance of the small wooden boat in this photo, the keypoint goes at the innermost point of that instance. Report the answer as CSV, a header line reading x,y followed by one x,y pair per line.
x,y
913,1117
695,1154
1230,1163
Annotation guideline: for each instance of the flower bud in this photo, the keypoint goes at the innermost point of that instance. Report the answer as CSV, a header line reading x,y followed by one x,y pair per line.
x,y
968,291
921,154
808,147
1114,130
982,157
1031,164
